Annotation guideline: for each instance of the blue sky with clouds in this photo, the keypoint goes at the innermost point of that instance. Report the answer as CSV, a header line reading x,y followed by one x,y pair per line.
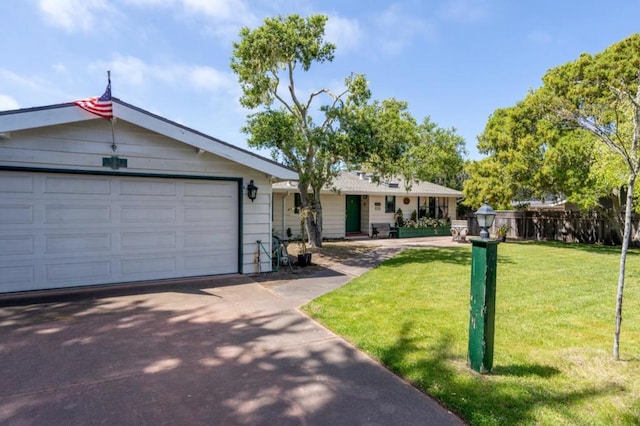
x,y
453,60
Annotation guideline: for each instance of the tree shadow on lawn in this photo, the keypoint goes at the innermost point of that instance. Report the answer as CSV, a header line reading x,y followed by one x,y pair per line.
x,y
491,398
460,256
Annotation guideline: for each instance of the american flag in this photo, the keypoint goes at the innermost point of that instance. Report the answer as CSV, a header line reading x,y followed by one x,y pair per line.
x,y
98,105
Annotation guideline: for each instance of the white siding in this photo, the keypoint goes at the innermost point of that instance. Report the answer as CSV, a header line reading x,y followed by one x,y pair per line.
x,y
377,214
83,145
365,214
334,215
284,216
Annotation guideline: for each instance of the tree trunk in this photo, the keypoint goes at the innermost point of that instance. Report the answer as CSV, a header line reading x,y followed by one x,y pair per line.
x,y
314,223
312,211
623,261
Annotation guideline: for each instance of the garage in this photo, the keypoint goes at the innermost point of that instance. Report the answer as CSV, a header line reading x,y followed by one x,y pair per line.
x,y
89,201
63,230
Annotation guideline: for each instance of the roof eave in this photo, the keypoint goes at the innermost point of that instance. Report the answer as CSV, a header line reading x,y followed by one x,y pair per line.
x,y
51,115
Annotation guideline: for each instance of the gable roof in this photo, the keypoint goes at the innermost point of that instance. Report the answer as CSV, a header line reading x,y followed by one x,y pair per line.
x,y
350,183
51,115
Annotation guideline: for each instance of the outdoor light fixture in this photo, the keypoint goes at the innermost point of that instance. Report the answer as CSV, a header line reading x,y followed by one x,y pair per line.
x,y
252,191
485,216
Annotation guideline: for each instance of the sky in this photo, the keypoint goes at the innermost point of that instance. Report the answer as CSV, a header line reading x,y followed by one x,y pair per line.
x,y
456,61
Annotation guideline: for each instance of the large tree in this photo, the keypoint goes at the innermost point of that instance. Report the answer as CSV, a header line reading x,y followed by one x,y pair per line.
x,y
319,132
267,61
577,136
600,94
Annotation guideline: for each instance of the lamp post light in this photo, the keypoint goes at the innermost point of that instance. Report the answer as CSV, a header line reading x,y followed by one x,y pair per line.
x,y
484,256
485,216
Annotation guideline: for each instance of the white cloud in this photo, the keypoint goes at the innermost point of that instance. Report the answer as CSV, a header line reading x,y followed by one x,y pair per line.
x,y
465,11
59,68
208,78
7,103
398,29
73,15
135,72
217,9
154,3
19,80
345,33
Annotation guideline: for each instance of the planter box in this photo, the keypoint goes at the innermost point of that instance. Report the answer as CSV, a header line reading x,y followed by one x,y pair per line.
x,y
424,232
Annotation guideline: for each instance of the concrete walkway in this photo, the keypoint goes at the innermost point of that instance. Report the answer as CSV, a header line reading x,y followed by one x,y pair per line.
x,y
223,351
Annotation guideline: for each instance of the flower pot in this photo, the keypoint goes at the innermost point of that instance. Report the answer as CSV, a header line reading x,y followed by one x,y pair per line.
x,y
302,260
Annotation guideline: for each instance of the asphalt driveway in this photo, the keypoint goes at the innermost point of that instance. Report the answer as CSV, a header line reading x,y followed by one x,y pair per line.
x,y
221,351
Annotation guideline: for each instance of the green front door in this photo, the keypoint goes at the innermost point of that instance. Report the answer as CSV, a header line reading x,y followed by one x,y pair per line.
x,y
353,213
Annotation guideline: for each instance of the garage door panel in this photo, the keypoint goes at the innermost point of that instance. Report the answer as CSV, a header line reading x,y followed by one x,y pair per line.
x,y
77,185
197,239
77,243
16,214
17,277
17,184
60,230
203,189
75,214
148,240
16,245
219,261
147,188
60,273
218,214
144,214
151,266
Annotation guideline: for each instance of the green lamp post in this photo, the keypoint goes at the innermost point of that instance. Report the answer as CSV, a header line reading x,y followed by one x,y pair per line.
x,y
484,256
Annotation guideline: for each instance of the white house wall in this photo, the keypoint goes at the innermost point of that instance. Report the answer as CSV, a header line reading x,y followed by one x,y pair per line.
x,y
365,214
333,210
83,145
333,215
376,210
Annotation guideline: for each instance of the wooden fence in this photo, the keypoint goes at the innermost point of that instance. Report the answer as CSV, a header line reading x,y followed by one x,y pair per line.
x,y
568,226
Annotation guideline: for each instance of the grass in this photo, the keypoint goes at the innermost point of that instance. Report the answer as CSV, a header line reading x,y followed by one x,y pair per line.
x,y
555,313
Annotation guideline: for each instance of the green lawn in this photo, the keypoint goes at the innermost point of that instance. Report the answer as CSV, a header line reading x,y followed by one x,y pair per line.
x,y
555,313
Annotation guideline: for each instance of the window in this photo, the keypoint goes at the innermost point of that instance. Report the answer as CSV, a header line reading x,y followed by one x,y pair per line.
x,y
297,203
390,204
438,207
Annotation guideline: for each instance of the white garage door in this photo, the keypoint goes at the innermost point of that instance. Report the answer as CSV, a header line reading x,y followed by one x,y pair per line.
x,y
63,230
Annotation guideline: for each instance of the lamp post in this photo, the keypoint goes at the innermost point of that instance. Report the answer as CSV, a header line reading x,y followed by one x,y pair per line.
x,y
484,256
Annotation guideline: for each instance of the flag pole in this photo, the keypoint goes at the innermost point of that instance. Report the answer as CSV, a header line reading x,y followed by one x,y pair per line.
x,y
113,119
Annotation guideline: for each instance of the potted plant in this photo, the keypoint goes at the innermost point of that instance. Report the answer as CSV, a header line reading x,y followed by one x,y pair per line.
x,y
502,232
399,217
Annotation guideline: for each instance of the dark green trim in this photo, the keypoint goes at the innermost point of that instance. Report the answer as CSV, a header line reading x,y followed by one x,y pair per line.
x,y
238,180
117,173
240,227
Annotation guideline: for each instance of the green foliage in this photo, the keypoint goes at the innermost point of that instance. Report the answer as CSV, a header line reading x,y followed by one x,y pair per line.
x,y
550,143
280,45
551,363
325,131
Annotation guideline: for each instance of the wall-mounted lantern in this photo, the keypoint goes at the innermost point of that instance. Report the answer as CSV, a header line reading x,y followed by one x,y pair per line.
x,y
252,191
